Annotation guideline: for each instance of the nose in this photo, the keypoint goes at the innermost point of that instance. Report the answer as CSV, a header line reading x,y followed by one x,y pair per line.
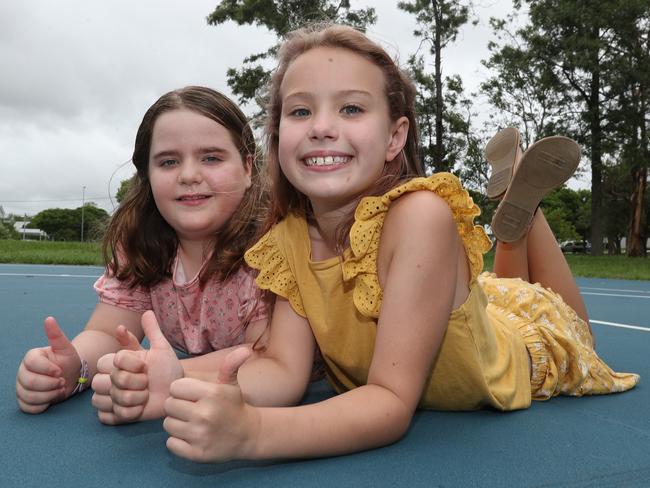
x,y
323,126
190,173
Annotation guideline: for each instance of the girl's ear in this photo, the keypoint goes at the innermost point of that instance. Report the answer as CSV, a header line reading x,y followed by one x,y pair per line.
x,y
398,135
248,167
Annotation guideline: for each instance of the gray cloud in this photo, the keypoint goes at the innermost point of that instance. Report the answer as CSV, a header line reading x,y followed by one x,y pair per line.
x,y
77,77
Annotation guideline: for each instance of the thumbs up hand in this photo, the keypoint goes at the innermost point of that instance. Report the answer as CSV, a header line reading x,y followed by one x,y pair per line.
x,y
210,422
101,384
47,375
133,384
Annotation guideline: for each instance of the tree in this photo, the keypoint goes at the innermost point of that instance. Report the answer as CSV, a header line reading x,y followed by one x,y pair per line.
x,y
630,118
616,199
123,190
563,72
457,137
570,37
63,224
95,221
7,232
567,212
438,22
279,17
521,88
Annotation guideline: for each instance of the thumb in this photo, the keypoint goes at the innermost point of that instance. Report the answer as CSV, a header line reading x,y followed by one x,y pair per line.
x,y
152,330
230,366
56,338
126,339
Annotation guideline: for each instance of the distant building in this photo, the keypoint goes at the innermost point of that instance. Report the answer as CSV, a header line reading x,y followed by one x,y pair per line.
x,y
26,233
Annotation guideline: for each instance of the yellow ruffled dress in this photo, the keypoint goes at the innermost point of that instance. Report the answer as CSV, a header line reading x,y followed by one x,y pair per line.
x,y
483,360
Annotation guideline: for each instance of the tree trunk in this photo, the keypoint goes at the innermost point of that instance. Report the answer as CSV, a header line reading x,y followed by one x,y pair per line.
x,y
441,157
596,158
636,237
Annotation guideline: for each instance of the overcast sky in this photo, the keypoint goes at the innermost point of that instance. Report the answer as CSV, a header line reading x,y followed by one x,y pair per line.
x,y
77,77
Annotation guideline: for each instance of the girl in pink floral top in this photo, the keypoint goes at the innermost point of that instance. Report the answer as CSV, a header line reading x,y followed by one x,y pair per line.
x,y
174,246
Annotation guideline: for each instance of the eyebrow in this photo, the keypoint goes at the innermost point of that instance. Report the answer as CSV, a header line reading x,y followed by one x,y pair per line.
x,y
341,93
201,150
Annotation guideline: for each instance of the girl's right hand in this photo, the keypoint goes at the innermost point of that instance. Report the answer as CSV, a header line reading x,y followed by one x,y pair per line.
x,y
133,385
47,375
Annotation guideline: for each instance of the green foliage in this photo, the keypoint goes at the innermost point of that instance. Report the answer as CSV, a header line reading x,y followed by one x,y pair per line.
x,y
580,68
616,201
521,88
279,17
123,190
63,224
567,212
444,114
438,17
457,136
7,231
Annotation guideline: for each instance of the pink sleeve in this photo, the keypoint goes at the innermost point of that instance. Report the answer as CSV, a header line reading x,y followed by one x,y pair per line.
x,y
251,297
113,292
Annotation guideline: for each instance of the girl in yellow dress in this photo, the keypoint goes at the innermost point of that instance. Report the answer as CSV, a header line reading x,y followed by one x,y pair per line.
x,y
381,269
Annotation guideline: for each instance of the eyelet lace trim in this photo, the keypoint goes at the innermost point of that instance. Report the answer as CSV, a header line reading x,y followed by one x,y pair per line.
x,y
274,274
361,265
369,219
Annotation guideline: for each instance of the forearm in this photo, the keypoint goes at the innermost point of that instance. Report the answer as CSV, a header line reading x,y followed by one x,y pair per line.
x,y
93,344
264,381
367,417
267,382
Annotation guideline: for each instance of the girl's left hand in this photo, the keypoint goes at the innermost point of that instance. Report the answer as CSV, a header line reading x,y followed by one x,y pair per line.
x,y
210,422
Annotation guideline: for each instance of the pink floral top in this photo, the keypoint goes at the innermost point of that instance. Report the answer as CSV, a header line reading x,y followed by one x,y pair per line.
x,y
193,320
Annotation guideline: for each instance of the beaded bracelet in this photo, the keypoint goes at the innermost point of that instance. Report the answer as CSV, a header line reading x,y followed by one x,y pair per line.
x,y
82,381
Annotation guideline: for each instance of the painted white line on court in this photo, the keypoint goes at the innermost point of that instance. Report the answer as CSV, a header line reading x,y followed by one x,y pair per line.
x,y
613,289
50,275
622,326
614,295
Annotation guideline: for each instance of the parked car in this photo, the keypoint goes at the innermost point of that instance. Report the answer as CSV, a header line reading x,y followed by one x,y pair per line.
x,y
576,246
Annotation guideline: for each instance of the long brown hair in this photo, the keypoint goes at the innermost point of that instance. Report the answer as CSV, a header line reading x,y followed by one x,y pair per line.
x,y
400,94
139,245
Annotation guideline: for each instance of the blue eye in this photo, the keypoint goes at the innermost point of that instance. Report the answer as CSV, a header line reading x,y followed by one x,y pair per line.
x,y
167,162
351,110
300,112
211,159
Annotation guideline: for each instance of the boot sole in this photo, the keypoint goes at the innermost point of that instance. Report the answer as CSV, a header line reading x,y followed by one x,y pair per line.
x,y
545,166
501,153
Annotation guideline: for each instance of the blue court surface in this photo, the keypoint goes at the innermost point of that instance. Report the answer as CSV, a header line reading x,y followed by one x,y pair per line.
x,y
567,442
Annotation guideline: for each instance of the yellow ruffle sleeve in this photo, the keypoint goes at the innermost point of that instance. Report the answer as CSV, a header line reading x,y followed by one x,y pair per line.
x,y
369,219
274,272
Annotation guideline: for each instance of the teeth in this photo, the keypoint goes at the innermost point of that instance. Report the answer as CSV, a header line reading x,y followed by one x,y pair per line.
x,y
326,160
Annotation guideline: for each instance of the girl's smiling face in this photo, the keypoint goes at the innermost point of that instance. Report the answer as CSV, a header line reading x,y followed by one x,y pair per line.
x,y
335,131
197,176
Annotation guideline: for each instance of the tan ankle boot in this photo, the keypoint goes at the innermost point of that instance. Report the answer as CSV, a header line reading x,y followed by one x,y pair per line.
x,y
545,165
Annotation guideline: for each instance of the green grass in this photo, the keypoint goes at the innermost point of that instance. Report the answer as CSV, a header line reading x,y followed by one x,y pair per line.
x,y
614,267
46,252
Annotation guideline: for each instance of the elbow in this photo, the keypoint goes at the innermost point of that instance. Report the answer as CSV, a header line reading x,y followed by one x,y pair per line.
x,y
401,424
397,420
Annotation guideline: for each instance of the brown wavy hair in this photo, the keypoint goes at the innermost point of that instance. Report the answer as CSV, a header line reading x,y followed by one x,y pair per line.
x,y
139,246
400,94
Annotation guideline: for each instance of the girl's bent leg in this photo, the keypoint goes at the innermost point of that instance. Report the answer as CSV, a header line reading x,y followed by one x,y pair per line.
x,y
511,259
547,265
